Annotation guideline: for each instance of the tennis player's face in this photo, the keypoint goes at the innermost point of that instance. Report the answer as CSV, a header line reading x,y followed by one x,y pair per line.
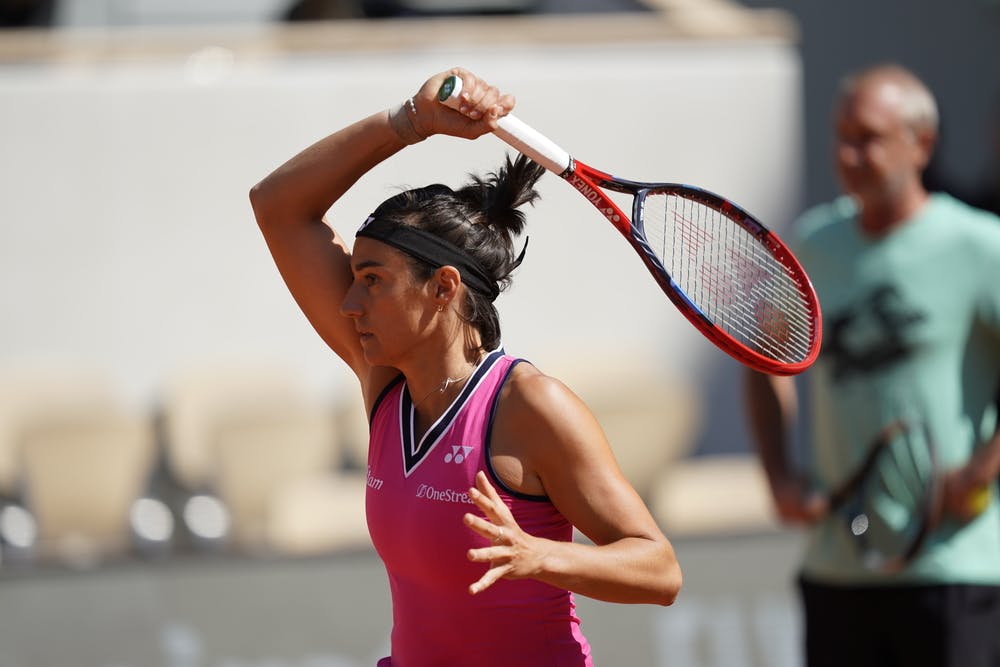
x,y
877,154
390,309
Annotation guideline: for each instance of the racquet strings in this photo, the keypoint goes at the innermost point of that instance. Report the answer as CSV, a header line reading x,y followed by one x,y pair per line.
x,y
899,495
896,499
731,276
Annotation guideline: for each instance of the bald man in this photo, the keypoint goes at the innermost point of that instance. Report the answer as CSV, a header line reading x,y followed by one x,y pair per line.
x,y
909,285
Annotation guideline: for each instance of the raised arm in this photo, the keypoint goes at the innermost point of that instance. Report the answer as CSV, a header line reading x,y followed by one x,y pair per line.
x,y
290,203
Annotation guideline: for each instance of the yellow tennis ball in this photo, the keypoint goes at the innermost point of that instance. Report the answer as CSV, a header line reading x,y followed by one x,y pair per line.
x,y
979,499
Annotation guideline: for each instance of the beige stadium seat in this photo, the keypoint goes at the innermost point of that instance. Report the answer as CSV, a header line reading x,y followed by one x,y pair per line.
x,y
82,470
320,514
725,494
196,400
244,434
650,433
649,420
28,395
259,453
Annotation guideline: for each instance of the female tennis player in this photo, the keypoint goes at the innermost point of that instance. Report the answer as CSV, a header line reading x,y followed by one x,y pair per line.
x,y
479,465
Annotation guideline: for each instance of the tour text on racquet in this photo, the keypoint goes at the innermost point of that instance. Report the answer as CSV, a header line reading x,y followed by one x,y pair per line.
x,y
891,503
728,274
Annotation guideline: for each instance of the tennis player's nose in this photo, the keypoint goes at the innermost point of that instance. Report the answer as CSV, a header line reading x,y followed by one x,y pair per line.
x,y
350,306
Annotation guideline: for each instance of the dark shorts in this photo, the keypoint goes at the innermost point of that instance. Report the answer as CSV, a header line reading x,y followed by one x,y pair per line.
x,y
901,626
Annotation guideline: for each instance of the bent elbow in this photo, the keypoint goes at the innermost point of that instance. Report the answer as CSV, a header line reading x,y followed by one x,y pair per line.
x,y
672,582
671,578
258,200
270,209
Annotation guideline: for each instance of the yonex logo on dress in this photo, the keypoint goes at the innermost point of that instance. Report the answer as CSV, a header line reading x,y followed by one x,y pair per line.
x,y
458,454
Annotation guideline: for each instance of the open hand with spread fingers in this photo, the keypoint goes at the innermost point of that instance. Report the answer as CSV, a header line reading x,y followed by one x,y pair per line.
x,y
513,554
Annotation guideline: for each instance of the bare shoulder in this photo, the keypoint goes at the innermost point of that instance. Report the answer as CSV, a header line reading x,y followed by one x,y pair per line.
x,y
536,408
536,394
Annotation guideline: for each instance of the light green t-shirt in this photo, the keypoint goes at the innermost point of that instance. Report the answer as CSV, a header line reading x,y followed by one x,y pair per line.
x,y
911,325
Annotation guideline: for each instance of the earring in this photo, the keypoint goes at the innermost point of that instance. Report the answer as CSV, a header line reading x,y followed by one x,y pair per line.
x,y
440,308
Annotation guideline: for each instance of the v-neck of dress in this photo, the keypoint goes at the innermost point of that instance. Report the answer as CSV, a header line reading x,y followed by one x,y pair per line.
x,y
416,449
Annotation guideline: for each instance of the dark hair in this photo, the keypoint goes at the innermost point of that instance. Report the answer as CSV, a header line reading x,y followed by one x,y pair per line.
x,y
481,219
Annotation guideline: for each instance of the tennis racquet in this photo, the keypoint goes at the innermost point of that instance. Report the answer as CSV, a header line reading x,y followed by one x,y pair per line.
x,y
891,503
732,278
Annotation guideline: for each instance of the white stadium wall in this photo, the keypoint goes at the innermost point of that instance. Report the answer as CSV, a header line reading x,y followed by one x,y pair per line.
x,y
127,243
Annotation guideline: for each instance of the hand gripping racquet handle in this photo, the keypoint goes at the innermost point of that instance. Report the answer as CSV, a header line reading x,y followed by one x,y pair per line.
x,y
514,132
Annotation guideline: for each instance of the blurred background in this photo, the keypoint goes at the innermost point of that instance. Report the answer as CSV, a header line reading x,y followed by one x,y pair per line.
x,y
182,460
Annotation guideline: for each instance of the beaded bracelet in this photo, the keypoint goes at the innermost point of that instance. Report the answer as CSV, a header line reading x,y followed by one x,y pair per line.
x,y
402,123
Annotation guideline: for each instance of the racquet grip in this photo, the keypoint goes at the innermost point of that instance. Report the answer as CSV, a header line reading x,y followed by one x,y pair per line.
x,y
515,132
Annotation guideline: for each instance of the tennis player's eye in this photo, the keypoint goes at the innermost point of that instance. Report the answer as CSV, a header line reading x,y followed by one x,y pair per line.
x,y
366,279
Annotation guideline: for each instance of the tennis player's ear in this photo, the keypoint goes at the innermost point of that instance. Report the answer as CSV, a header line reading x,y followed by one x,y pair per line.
x,y
446,281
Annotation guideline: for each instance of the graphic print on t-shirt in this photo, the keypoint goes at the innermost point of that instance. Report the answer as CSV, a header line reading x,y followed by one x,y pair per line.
x,y
871,334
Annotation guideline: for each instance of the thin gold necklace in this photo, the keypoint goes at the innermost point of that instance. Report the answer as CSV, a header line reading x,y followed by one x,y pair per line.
x,y
447,382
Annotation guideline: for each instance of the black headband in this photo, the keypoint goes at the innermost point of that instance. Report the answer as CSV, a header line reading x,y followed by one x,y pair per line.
x,y
432,249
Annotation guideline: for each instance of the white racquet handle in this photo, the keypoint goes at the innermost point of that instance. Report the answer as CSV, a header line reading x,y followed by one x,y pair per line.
x,y
515,132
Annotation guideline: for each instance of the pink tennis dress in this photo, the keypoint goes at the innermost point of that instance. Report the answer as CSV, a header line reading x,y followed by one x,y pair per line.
x,y
417,495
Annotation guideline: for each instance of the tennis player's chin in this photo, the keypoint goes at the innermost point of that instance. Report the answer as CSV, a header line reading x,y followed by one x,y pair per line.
x,y
371,348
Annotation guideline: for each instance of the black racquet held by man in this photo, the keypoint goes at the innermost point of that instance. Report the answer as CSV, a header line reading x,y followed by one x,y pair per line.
x,y
892,501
